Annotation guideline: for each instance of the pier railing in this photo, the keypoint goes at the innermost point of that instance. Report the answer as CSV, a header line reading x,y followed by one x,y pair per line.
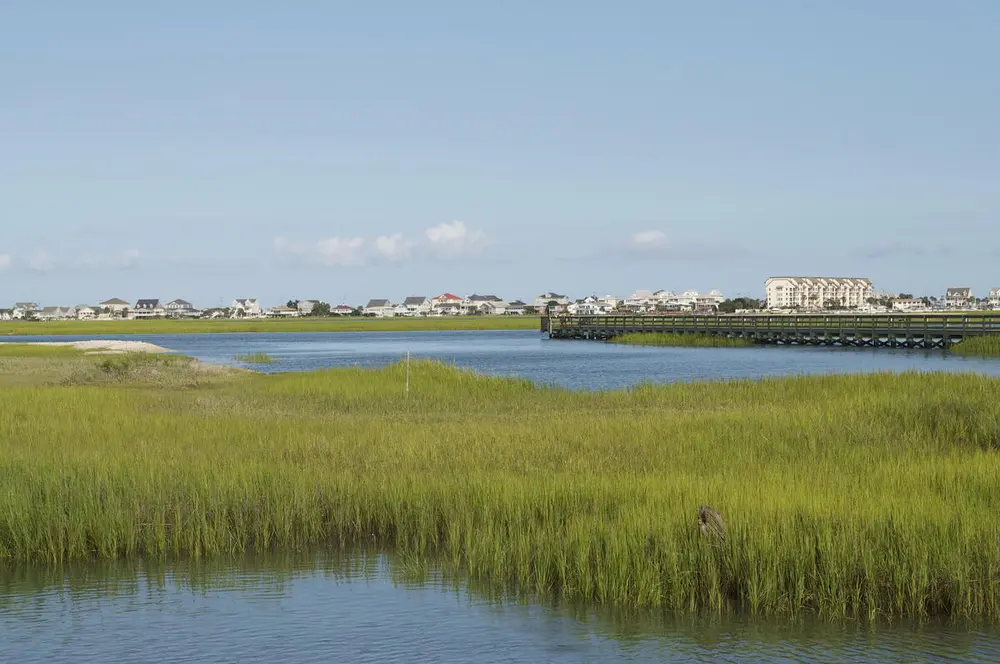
x,y
913,330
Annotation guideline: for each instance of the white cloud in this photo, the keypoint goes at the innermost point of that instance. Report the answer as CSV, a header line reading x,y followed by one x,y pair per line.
x,y
455,239
41,262
5,261
328,251
341,251
393,248
650,241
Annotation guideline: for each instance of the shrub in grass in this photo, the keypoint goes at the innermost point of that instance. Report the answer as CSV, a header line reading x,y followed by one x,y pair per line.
x,y
255,358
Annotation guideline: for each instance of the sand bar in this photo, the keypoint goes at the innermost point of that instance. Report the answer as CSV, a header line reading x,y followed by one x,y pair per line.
x,y
106,346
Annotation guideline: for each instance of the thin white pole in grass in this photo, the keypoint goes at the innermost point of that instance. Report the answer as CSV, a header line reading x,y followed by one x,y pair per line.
x,y
407,373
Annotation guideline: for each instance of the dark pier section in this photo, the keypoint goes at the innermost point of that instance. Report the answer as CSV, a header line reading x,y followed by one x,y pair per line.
x,y
861,330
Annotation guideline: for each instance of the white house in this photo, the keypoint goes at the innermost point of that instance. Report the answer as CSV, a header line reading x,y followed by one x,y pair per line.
x,y
180,308
515,308
379,308
55,313
494,308
610,301
115,306
994,298
6,314
23,309
477,303
817,292
588,306
86,312
641,301
282,311
148,308
909,304
958,298
416,305
543,302
446,304
341,310
246,308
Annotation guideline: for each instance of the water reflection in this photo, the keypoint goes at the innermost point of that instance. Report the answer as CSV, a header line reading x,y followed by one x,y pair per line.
x,y
367,609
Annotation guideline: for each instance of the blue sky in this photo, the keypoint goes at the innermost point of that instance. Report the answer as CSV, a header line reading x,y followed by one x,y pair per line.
x,y
346,150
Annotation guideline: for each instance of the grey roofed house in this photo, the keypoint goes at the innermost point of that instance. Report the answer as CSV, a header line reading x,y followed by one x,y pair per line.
x,y
147,304
26,306
181,304
415,301
517,303
959,293
377,303
115,301
484,298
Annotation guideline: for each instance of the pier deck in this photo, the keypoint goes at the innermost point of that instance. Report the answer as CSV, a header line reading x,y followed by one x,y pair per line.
x,y
872,330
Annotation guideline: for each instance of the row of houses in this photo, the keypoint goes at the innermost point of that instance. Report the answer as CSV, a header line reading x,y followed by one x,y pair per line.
x,y
446,304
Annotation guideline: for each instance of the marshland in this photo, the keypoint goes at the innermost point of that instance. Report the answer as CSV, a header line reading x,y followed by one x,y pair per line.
x,y
847,496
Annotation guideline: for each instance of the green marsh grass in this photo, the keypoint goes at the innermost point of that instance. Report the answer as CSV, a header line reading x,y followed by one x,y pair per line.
x,y
978,346
870,497
255,358
304,324
681,340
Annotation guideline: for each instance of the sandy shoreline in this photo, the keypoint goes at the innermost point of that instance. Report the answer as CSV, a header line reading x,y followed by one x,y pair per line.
x,y
105,346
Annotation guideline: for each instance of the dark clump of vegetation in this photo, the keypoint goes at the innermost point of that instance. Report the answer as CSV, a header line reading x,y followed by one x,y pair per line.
x,y
255,358
688,340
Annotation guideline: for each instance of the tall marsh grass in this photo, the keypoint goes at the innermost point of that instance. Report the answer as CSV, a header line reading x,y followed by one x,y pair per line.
x,y
682,340
978,346
867,497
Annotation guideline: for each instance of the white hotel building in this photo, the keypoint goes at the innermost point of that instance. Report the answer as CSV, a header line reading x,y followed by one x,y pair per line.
x,y
817,292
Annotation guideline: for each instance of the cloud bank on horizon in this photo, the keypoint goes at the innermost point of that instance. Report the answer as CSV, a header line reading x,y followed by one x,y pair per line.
x,y
450,241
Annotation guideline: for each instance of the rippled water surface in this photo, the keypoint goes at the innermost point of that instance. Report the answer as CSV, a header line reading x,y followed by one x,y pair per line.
x,y
358,611
575,364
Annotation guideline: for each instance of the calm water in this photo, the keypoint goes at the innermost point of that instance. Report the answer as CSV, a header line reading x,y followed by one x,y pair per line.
x,y
356,611
576,364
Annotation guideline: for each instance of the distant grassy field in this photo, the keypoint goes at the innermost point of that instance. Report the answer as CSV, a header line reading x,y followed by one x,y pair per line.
x,y
868,496
305,324
682,340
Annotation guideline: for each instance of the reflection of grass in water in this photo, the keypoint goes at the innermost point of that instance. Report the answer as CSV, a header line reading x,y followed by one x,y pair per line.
x,y
843,495
689,340
255,358
978,346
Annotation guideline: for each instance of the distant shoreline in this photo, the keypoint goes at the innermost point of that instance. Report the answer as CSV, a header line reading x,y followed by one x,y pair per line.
x,y
273,325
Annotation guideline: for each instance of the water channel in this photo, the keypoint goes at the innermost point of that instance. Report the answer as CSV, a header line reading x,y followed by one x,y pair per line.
x,y
582,365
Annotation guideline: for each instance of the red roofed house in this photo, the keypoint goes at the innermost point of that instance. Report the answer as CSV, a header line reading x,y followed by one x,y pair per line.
x,y
446,304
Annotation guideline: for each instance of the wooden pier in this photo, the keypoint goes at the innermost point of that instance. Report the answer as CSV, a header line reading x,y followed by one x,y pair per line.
x,y
857,330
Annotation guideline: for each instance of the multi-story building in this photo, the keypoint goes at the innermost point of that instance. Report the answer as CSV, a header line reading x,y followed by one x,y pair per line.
x,y
817,292
958,298
995,298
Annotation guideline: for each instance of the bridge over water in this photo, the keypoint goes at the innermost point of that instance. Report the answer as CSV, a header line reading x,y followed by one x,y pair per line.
x,y
871,330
